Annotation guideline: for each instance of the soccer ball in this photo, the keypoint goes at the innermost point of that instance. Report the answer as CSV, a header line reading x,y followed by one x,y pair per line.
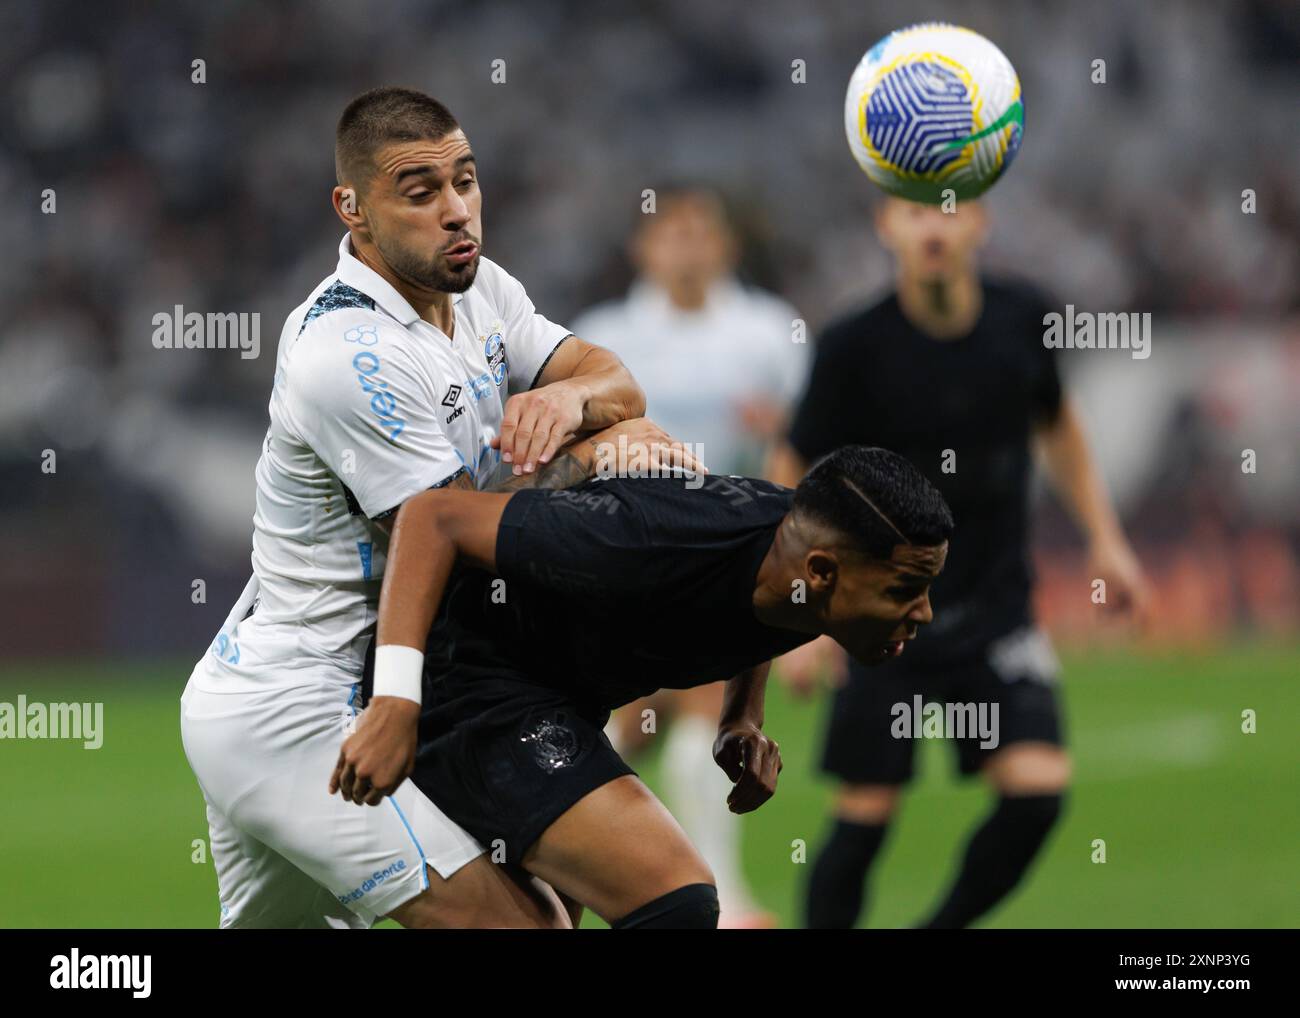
x,y
933,107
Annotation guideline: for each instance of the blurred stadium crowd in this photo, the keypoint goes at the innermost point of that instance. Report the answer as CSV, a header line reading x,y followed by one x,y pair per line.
x,y
1126,196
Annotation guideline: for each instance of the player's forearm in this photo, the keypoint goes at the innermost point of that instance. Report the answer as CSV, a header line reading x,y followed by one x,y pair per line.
x,y
420,559
742,699
1075,477
573,465
609,392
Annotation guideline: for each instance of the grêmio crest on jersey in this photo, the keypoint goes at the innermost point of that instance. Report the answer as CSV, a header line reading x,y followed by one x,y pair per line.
x,y
494,352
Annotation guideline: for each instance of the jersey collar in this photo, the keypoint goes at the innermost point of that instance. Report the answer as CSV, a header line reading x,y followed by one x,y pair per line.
x,y
356,273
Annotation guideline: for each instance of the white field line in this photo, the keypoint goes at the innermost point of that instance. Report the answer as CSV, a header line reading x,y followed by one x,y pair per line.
x,y
1123,751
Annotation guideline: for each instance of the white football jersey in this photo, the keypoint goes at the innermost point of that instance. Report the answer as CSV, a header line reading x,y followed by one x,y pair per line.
x,y
371,405
699,367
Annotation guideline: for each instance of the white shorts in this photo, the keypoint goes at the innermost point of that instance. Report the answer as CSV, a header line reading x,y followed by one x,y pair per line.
x,y
288,854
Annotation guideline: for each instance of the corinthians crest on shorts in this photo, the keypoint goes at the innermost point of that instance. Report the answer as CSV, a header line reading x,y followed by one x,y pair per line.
x,y
553,742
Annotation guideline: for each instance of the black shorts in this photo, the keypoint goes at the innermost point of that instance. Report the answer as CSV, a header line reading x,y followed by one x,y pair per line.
x,y
874,723
505,758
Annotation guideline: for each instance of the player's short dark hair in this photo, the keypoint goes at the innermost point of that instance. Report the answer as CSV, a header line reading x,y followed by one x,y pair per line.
x,y
380,117
876,499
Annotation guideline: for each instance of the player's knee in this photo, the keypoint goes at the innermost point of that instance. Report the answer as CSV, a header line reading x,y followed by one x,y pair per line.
x,y
461,905
867,804
693,907
1030,769
428,913
432,910
424,912
676,870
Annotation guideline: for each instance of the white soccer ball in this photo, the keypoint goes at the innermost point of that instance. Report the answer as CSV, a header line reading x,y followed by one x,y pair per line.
x,y
934,107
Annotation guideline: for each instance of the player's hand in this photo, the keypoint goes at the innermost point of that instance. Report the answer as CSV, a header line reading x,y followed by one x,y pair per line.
x,y
804,669
751,760
1126,585
536,423
635,446
380,754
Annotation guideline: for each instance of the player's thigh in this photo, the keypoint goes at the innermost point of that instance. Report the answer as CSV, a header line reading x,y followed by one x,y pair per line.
x,y
260,889
265,760
1028,768
616,849
373,858
1016,686
484,895
864,747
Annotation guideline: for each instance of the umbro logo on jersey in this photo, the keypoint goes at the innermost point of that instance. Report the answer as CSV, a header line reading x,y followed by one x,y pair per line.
x,y
453,394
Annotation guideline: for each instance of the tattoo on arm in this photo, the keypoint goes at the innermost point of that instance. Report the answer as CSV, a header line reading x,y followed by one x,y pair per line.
x,y
564,471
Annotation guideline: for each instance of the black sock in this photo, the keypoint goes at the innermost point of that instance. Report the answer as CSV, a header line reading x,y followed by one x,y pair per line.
x,y
837,885
997,856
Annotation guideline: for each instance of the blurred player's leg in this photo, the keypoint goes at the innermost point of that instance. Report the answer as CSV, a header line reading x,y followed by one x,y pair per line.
x,y
872,767
838,882
1030,779
696,789
631,728
621,853
1028,769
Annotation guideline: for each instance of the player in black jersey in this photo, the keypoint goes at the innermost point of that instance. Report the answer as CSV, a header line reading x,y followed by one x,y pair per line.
x,y
561,605
950,370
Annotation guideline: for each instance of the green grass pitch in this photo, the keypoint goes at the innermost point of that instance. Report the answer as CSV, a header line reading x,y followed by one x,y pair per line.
x,y
1199,819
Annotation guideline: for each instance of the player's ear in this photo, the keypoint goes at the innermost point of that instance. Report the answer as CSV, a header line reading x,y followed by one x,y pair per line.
x,y
347,206
821,568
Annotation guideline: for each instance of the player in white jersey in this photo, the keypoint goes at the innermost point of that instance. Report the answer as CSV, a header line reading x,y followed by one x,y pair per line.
x,y
720,364
417,364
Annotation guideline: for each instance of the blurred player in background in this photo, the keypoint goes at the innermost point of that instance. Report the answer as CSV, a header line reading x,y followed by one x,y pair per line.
x,y
720,366
950,370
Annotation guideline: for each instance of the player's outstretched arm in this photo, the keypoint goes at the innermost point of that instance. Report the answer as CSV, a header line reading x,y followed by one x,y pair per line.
x,y
434,530
1063,446
748,757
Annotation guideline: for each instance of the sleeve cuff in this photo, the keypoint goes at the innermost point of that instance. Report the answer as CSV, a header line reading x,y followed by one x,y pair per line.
x,y
538,377
440,484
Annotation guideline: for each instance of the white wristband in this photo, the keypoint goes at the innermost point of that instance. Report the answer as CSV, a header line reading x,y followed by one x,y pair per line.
x,y
399,671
